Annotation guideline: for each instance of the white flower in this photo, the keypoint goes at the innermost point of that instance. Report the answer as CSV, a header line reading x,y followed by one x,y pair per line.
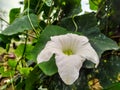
x,y
70,50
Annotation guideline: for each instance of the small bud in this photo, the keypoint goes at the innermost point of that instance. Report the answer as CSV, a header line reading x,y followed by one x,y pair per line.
x,y
11,56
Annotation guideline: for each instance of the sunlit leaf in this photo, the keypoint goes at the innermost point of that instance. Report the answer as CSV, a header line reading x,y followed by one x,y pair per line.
x,y
25,71
14,13
20,49
12,63
94,4
8,73
1,69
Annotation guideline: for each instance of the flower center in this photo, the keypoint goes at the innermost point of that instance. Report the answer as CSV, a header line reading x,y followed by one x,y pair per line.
x,y
68,52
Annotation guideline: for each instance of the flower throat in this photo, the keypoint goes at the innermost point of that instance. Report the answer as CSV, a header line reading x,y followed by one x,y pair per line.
x,y
68,52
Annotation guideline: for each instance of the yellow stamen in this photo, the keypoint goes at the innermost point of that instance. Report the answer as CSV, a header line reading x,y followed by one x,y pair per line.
x,y
68,52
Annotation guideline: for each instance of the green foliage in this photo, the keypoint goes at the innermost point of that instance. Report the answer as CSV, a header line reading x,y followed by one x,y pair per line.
x,y
21,24
49,68
12,63
30,30
94,4
1,70
71,7
20,50
9,73
33,78
14,13
25,71
115,86
109,70
87,25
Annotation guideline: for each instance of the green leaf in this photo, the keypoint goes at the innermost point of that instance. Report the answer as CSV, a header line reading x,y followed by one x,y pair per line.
x,y
94,4
20,85
20,49
69,7
21,24
14,13
1,69
12,63
8,73
72,7
115,86
102,43
32,79
4,40
109,71
25,71
51,65
88,64
49,68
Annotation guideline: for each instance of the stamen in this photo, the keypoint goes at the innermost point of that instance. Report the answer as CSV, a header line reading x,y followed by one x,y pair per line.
x,y
68,52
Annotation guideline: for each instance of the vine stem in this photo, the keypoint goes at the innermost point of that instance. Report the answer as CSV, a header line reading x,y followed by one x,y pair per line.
x,y
50,11
30,35
13,87
98,11
4,20
25,45
76,27
40,8
30,19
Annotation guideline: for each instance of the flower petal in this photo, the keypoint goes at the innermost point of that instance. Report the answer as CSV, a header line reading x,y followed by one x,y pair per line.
x,y
48,51
69,41
63,40
86,51
68,67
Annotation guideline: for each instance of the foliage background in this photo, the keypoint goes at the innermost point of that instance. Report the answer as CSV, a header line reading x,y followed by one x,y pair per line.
x,y
29,30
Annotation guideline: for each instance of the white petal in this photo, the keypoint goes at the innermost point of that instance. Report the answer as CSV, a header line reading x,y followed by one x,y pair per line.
x,y
63,40
48,51
68,67
86,51
69,41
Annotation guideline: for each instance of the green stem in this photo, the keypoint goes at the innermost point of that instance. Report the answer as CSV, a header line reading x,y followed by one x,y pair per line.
x,y
100,8
37,6
4,20
30,35
24,47
48,21
76,27
40,8
30,19
13,88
